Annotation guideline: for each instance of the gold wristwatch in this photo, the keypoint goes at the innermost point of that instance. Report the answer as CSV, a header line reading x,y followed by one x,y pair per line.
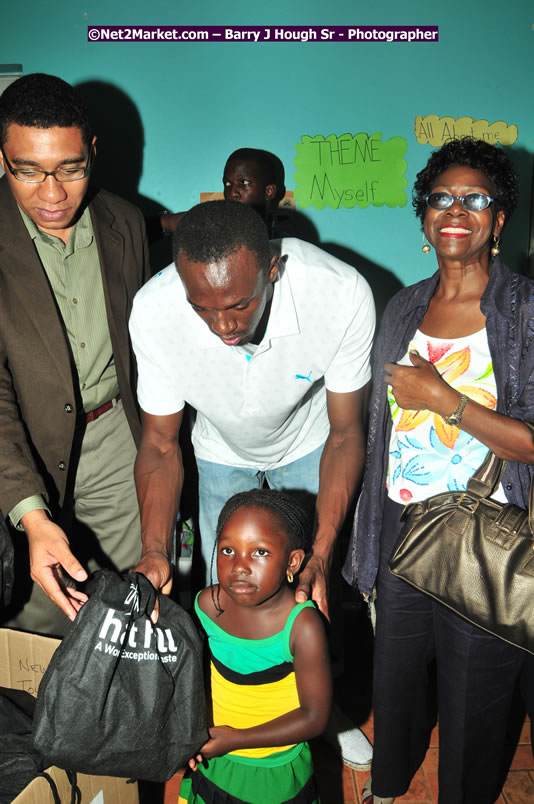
x,y
455,418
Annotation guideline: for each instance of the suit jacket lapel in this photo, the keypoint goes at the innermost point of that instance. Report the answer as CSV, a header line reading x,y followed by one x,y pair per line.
x,y
110,243
20,263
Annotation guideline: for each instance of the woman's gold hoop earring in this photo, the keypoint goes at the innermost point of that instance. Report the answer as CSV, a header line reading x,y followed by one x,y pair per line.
x,y
425,248
495,250
289,576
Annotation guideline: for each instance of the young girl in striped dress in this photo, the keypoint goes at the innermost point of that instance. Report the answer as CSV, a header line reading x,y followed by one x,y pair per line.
x,y
270,674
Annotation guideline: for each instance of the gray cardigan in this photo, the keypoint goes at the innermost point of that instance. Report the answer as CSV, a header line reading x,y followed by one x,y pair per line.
x,y
508,304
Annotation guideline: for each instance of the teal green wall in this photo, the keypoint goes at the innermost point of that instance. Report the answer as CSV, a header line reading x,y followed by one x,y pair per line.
x,y
199,101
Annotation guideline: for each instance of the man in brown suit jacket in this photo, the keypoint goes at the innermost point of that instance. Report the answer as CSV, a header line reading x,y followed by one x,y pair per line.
x,y
71,261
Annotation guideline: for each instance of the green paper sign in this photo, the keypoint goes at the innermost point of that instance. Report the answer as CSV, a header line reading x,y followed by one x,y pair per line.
x,y
349,171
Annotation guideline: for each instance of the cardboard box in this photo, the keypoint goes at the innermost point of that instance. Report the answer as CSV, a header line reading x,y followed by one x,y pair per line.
x,y
23,661
93,790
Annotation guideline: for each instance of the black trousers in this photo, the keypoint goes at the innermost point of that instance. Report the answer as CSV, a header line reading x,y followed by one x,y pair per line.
x,y
430,664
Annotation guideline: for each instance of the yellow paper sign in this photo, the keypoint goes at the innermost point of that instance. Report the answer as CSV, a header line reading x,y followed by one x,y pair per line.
x,y
435,130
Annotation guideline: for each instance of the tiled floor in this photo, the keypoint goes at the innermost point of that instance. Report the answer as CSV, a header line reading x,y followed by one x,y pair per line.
x,y
340,785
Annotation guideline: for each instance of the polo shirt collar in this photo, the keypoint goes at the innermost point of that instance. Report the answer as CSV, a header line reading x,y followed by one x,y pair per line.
x,y
283,320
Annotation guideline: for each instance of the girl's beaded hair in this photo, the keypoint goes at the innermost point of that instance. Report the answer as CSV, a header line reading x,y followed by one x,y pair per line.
x,y
291,514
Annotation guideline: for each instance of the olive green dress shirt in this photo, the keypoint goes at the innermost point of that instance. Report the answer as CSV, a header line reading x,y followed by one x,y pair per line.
x,y
73,271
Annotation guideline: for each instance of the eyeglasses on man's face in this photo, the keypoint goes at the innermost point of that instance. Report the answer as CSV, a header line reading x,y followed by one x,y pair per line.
x,y
62,174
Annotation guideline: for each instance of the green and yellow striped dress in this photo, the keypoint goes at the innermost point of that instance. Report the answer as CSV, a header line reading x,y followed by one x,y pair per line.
x,y
252,682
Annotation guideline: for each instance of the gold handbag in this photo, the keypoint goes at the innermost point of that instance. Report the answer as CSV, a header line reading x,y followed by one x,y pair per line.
x,y
474,555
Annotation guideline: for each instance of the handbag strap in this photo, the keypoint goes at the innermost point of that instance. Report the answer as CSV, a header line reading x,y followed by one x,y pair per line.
x,y
488,475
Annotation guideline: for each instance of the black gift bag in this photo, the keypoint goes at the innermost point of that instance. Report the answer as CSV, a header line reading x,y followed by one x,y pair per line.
x,y
19,763
122,697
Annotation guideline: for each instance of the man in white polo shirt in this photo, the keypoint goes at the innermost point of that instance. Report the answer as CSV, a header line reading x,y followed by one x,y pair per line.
x,y
272,352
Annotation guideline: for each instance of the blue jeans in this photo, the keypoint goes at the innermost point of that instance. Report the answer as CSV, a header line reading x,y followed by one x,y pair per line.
x,y
217,483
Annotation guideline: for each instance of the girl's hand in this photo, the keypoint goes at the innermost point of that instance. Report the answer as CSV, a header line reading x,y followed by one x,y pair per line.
x,y
194,762
420,387
222,740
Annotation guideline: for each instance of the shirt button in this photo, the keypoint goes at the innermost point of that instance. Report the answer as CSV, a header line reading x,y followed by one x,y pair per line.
x,y
75,301
61,466
508,487
67,407
82,344
83,386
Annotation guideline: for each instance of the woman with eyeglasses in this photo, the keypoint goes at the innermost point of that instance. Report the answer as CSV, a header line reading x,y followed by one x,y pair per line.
x,y
454,367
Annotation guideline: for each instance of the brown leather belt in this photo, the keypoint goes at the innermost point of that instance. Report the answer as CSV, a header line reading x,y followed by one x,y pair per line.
x,y
94,414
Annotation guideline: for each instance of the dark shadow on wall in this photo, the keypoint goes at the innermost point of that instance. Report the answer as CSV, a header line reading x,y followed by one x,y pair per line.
x,y
119,154
515,236
383,282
